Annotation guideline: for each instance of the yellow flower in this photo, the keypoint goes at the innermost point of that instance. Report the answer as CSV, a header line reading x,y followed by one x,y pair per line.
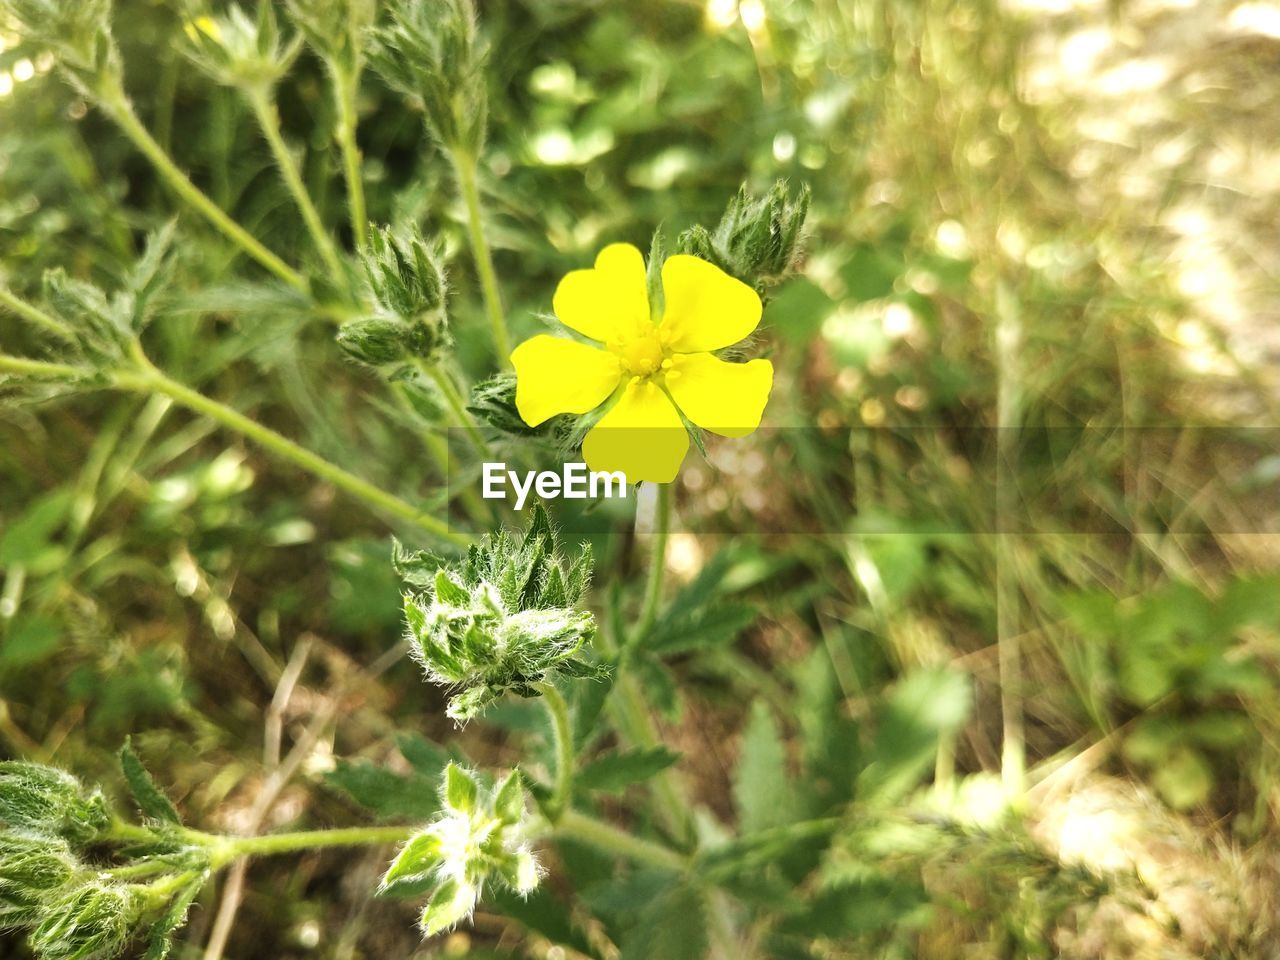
x,y
652,369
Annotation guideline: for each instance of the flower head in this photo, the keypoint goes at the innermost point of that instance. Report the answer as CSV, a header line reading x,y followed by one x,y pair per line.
x,y
657,368
478,838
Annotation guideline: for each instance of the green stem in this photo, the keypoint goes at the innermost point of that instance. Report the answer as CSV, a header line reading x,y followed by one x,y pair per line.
x,y
40,368
272,844
453,399
562,734
577,826
465,166
35,316
151,380
117,106
269,120
346,86
657,567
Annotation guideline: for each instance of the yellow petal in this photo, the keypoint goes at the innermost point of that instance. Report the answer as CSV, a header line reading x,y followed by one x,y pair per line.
x,y
725,398
642,435
608,301
554,375
706,309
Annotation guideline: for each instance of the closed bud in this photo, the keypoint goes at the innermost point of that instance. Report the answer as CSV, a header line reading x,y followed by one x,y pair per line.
x,y
31,866
757,239
334,28
432,53
48,801
386,341
76,32
504,619
239,50
90,921
404,273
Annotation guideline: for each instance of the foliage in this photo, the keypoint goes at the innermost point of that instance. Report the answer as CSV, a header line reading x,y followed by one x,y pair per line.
x,y
852,686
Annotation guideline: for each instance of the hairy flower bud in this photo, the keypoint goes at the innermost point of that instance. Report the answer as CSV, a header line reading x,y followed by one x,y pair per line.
x,y
334,28
503,620
76,32
48,801
432,53
477,839
89,922
31,866
757,239
238,50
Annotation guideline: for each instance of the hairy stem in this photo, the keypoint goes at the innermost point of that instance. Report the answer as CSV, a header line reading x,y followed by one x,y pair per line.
x,y
272,844
465,167
35,316
346,86
562,734
117,106
657,567
604,836
151,380
269,120
449,390
41,368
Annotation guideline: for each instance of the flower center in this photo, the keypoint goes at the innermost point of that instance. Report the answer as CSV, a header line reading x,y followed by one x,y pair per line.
x,y
641,355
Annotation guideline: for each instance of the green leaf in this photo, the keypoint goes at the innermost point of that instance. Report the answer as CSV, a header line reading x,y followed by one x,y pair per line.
x,y
672,927
149,798
1184,779
614,772
27,537
30,641
388,794
762,788
160,939
713,626
460,789
414,863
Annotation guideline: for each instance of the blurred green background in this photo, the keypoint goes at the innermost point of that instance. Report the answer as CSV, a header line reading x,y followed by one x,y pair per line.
x,y
1026,217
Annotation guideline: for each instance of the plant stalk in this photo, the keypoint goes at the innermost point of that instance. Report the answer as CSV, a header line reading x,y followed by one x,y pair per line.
x,y
346,85
151,380
604,836
657,567
562,735
35,316
269,120
465,167
449,390
118,107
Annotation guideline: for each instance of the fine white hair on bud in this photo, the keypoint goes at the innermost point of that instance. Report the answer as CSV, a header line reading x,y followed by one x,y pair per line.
x,y
503,620
476,840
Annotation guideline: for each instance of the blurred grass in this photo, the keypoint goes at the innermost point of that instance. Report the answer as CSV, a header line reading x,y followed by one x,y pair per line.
x,y
1022,219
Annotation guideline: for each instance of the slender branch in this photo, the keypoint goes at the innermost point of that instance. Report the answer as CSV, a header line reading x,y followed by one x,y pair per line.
x,y
465,167
453,399
272,844
152,380
269,120
117,106
577,826
346,86
35,316
40,368
562,734
657,567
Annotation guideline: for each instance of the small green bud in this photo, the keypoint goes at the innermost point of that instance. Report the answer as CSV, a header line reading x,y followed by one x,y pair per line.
x,y
503,620
334,28
89,922
404,273
477,839
47,800
76,32
494,401
757,239
432,53
31,866
387,341
238,50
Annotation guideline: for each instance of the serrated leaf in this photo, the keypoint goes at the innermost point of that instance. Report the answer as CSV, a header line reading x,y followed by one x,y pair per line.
x,y
160,939
672,927
387,794
614,772
713,626
762,788
149,797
